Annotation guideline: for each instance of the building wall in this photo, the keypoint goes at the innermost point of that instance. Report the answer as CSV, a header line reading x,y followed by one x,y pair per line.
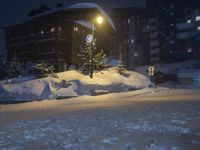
x,y
193,18
130,41
51,38
168,45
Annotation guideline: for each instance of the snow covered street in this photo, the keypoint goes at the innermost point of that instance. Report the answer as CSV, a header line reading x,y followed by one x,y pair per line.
x,y
150,120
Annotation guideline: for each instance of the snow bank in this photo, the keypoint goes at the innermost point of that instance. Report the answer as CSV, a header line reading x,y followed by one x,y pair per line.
x,y
18,80
72,83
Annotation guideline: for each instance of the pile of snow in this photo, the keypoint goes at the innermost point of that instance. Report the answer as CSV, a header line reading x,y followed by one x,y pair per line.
x,y
17,80
72,83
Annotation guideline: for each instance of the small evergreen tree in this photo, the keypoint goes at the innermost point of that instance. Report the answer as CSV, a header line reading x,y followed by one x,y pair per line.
x,y
121,67
98,60
14,67
42,69
91,57
84,56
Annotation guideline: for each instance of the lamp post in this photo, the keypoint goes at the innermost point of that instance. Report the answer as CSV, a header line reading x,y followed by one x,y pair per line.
x,y
98,20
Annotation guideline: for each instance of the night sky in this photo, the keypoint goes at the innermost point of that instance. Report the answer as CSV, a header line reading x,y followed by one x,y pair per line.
x,y
12,11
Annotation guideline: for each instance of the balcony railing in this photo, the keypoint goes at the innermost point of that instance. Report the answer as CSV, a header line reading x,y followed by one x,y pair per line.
x,y
183,26
35,38
154,43
154,51
184,35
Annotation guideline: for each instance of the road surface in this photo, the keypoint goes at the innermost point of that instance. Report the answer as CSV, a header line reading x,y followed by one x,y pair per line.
x,y
162,120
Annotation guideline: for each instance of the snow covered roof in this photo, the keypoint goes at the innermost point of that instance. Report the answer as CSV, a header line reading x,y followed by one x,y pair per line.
x,y
78,6
75,7
84,23
83,5
93,5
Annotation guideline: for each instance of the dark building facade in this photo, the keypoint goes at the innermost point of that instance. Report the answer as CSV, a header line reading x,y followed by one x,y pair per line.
x,y
130,41
168,38
189,30
55,36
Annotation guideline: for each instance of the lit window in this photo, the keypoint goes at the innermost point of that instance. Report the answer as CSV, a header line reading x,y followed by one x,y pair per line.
x,y
42,32
59,28
52,29
132,41
189,50
75,29
136,54
198,28
197,18
189,21
129,20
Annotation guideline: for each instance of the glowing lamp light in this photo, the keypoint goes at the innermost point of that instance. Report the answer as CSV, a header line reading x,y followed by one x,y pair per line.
x,y
99,20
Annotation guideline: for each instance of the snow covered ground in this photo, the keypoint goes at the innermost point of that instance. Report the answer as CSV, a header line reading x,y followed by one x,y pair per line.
x,y
170,68
157,120
186,72
69,84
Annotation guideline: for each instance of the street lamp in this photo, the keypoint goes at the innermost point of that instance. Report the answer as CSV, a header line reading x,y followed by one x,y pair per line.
x,y
98,20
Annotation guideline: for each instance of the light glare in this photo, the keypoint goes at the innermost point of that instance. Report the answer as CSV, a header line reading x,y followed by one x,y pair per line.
x,y
99,20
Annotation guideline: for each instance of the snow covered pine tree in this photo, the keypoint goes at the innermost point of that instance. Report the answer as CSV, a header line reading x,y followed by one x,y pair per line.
x,y
121,67
91,57
42,69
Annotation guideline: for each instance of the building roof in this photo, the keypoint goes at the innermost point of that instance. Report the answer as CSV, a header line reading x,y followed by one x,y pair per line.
x,y
75,7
